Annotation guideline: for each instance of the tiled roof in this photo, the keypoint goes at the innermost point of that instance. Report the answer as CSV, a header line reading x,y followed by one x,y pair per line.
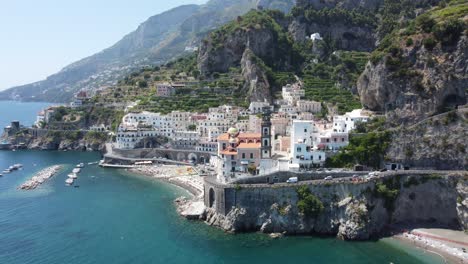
x,y
249,146
241,136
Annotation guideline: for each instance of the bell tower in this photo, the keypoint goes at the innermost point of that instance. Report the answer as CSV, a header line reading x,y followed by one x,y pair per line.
x,y
266,133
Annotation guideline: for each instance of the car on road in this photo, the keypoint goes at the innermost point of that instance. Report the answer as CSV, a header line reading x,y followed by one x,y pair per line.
x,y
328,178
292,180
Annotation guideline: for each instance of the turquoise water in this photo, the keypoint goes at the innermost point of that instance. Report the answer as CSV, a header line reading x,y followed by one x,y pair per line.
x,y
24,112
118,218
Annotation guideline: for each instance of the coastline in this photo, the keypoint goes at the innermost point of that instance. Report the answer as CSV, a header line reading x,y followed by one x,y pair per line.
x,y
184,177
448,251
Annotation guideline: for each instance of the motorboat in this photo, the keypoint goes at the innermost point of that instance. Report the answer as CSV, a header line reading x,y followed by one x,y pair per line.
x,y
76,170
12,168
1,175
69,181
72,176
81,165
6,171
18,165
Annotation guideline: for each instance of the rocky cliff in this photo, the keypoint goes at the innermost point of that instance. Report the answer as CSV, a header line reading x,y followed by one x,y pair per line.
x,y
439,142
350,211
420,70
256,84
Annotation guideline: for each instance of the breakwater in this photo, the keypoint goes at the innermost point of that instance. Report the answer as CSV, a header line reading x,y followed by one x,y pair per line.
x,y
41,177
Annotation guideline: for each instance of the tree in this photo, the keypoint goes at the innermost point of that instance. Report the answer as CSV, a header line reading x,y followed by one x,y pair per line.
x,y
308,204
142,84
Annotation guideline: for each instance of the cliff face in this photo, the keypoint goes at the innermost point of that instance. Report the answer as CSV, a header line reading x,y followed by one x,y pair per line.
x,y
351,211
416,82
256,84
219,57
439,142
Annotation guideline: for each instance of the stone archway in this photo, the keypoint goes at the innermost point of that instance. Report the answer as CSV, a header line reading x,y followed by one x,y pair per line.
x,y
192,157
211,198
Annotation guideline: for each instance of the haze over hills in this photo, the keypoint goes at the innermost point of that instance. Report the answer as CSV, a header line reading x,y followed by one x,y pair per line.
x,y
157,40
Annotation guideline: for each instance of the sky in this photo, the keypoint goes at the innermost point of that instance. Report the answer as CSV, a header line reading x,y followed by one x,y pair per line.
x,y
40,37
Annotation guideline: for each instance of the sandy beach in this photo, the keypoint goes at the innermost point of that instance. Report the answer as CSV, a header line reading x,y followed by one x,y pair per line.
x,y
448,244
185,177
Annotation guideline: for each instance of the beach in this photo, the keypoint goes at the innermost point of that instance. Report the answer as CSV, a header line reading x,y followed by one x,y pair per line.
x,y
185,177
448,244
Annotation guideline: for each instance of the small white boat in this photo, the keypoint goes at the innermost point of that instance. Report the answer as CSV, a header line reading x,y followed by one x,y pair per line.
x,y
1,175
72,176
69,181
76,170
12,168
81,165
6,171
18,166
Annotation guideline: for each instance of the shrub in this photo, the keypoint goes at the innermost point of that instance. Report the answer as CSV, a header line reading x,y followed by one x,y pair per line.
x,y
448,33
429,43
308,203
388,194
425,22
409,42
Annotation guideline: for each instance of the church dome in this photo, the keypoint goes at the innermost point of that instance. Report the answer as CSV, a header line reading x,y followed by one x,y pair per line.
x,y
233,131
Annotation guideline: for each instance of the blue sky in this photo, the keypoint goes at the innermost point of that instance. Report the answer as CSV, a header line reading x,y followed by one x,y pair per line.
x,y
39,37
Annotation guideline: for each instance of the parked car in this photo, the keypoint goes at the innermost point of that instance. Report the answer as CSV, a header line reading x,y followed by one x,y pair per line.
x,y
292,180
328,178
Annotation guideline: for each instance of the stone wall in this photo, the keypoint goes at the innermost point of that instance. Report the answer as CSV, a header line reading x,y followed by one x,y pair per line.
x,y
351,210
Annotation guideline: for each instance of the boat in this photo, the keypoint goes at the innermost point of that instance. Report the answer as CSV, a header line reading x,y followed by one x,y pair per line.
x,y
18,165
12,168
72,176
76,170
6,171
69,181
1,175
81,165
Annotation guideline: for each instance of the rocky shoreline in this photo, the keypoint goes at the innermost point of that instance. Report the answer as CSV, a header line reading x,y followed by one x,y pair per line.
x,y
40,177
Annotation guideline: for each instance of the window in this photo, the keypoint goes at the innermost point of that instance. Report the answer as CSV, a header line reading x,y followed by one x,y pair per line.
x,y
334,139
299,149
305,130
243,155
342,139
320,157
251,155
328,140
265,142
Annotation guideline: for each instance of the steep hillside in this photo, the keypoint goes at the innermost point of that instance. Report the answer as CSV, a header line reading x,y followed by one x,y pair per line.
x,y
420,70
157,40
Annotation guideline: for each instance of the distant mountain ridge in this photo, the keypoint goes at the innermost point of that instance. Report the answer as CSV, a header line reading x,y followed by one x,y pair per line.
x,y
157,40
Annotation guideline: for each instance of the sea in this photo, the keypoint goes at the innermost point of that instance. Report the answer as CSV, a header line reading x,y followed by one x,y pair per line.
x,y
111,216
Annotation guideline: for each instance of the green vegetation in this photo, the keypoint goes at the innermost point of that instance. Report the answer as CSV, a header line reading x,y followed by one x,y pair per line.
x,y
308,204
368,149
331,16
388,190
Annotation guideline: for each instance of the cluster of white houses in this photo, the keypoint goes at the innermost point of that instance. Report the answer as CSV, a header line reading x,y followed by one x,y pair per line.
x,y
248,141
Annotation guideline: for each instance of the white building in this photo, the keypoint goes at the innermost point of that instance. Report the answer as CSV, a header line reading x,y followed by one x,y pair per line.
x,y
303,149
309,106
257,107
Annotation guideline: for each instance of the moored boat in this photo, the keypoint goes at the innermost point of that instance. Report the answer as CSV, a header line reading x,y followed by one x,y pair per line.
x,y
81,165
72,176
6,171
76,170
69,181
